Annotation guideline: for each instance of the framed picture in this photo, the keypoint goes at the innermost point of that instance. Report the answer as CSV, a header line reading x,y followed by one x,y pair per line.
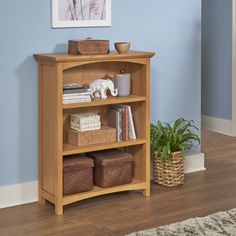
x,y
81,13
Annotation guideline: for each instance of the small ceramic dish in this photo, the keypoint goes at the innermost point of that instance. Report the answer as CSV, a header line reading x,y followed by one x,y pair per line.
x,y
122,47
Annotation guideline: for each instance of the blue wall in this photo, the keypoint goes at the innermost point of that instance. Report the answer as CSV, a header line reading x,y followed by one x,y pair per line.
x,y
217,58
170,28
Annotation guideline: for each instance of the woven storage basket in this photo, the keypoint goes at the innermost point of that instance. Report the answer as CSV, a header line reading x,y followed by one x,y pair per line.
x,y
77,174
169,173
81,139
112,168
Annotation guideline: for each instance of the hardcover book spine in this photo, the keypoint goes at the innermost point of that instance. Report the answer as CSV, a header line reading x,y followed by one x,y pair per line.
x,y
77,100
132,133
120,125
68,95
125,124
78,90
113,121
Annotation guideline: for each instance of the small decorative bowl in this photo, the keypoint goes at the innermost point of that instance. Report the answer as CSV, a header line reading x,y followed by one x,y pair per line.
x,y
122,47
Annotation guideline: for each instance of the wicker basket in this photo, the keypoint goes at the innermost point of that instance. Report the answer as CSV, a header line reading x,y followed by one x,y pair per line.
x,y
112,168
169,173
104,135
77,174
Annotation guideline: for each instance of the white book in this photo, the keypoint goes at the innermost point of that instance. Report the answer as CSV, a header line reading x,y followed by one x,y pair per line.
x,y
132,132
76,97
71,101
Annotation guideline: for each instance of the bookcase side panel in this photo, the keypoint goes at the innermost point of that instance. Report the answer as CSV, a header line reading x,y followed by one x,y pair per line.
x,y
50,130
147,112
40,126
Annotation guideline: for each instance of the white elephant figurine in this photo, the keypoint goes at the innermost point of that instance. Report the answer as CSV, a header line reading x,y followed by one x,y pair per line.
x,y
99,87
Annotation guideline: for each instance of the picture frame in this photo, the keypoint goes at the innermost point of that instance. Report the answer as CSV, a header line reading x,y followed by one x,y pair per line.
x,y
81,13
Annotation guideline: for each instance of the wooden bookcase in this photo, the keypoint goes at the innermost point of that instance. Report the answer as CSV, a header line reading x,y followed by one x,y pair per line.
x,y
57,69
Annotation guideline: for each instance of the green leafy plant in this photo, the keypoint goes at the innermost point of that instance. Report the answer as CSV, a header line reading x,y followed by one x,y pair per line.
x,y
167,138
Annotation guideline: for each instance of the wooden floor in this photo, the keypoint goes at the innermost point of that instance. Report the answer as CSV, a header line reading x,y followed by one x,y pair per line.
x,y
118,214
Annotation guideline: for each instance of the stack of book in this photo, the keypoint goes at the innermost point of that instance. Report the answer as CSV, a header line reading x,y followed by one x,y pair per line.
x,y
75,93
82,122
120,117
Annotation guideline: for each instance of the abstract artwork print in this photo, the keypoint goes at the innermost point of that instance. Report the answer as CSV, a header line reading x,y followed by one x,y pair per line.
x,y
81,13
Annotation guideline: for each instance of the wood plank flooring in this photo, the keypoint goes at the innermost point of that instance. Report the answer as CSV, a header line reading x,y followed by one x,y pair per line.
x,y
203,193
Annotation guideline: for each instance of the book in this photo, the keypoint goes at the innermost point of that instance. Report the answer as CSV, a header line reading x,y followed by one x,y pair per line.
x,y
132,132
129,123
121,118
76,97
77,90
72,86
125,122
113,121
120,122
77,100
76,94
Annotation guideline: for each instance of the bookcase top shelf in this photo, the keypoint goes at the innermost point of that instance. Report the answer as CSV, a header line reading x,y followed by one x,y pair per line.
x,y
64,57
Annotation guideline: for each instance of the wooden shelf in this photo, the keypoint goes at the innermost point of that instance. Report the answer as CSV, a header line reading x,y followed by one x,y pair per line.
x,y
96,191
113,55
108,101
69,149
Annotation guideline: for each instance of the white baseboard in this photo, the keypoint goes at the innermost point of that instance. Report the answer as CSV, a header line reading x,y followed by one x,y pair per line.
x,y
24,193
18,194
218,125
194,163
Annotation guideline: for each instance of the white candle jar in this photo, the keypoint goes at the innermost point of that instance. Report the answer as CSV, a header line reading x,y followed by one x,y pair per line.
x,y
122,83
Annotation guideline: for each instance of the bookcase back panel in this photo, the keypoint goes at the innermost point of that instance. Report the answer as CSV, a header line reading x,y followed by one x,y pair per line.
x,y
138,153
139,116
138,82
102,111
86,74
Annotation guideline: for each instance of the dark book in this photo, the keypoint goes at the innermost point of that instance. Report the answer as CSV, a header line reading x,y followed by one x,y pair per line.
x,y
72,86
131,125
113,121
78,90
126,123
119,121
71,91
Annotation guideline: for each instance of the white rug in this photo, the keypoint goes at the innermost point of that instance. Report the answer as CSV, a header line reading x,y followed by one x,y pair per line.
x,y
219,224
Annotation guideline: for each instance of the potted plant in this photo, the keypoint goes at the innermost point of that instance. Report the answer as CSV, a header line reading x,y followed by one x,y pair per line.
x,y
168,143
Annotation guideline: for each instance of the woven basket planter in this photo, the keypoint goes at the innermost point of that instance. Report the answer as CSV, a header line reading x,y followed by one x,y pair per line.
x,y
169,173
